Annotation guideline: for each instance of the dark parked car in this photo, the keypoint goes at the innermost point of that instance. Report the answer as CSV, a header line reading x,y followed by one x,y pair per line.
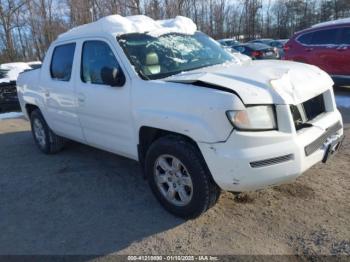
x,y
8,76
228,42
326,45
257,51
8,97
3,73
278,44
266,41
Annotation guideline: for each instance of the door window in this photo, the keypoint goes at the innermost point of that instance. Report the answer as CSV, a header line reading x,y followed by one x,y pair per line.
x,y
345,36
305,38
62,62
98,61
325,37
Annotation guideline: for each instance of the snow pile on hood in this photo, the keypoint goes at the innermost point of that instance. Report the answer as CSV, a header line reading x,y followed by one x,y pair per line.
x,y
119,25
14,69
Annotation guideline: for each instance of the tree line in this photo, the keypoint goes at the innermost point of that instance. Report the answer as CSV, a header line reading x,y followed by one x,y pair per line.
x,y
27,27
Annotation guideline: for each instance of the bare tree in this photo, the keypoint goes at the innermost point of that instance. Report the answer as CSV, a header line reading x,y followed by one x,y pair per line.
x,y
8,10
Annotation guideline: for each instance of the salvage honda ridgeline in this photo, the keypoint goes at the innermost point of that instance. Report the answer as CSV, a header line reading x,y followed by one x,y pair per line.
x,y
197,119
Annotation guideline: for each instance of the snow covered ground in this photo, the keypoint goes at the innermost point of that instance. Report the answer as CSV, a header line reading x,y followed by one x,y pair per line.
x,y
10,115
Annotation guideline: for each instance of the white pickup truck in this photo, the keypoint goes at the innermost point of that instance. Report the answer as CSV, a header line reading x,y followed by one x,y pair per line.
x,y
197,119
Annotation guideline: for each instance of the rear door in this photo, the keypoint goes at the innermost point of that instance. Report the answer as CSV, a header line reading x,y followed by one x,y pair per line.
x,y
58,87
343,53
324,46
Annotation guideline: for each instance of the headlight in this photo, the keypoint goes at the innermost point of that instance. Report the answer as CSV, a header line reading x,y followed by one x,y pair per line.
x,y
254,118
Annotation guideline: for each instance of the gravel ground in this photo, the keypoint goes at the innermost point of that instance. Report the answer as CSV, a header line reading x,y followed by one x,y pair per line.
x,y
86,201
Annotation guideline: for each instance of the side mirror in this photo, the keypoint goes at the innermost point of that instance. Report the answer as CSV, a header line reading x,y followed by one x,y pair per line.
x,y
112,76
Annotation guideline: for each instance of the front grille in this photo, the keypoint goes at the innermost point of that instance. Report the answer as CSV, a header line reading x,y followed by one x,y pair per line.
x,y
272,161
307,111
314,107
317,144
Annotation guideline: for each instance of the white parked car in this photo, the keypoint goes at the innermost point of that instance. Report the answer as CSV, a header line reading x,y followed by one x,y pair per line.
x,y
170,97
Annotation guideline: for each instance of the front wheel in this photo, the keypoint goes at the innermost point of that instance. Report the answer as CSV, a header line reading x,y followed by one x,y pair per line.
x,y
179,178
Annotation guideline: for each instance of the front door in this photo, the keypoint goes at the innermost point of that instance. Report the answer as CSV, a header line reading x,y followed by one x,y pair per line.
x,y
103,96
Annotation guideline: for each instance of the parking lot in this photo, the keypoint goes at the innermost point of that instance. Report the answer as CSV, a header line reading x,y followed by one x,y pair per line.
x,y
88,202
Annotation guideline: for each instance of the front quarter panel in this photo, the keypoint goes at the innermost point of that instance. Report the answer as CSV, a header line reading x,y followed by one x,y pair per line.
x,y
197,112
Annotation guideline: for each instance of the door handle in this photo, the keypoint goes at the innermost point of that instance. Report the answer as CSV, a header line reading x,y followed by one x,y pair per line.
x,y
81,98
47,93
309,49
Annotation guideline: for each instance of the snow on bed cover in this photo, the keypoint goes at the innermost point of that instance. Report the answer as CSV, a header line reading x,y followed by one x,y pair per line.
x,y
10,115
334,22
119,25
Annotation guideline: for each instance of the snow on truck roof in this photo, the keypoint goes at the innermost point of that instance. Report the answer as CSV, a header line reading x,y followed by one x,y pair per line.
x,y
119,25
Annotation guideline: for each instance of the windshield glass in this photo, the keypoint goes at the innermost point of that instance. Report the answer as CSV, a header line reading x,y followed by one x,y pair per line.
x,y
170,54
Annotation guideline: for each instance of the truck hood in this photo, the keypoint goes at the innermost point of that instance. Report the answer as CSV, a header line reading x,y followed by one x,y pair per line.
x,y
262,82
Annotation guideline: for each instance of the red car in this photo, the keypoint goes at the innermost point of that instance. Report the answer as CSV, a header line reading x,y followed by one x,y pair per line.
x,y
326,45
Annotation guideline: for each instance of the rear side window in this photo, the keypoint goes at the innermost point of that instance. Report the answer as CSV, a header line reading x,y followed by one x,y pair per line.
x,y
98,57
305,38
62,62
345,36
325,37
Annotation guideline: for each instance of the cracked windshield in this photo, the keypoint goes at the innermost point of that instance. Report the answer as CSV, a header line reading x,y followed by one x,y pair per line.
x,y
170,54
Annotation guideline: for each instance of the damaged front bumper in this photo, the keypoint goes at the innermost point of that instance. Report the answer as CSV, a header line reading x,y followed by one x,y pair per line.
x,y
255,160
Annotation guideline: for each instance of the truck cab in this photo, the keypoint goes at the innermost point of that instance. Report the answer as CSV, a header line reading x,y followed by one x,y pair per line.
x,y
197,119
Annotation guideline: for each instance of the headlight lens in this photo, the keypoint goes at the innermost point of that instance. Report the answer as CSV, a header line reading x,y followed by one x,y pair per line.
x,y
254,118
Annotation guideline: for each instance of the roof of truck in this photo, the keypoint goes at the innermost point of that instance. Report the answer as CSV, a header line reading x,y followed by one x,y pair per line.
x,y
119,25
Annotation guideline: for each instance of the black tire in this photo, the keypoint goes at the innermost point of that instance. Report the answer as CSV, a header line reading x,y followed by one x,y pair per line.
x,y
205,191
52,143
